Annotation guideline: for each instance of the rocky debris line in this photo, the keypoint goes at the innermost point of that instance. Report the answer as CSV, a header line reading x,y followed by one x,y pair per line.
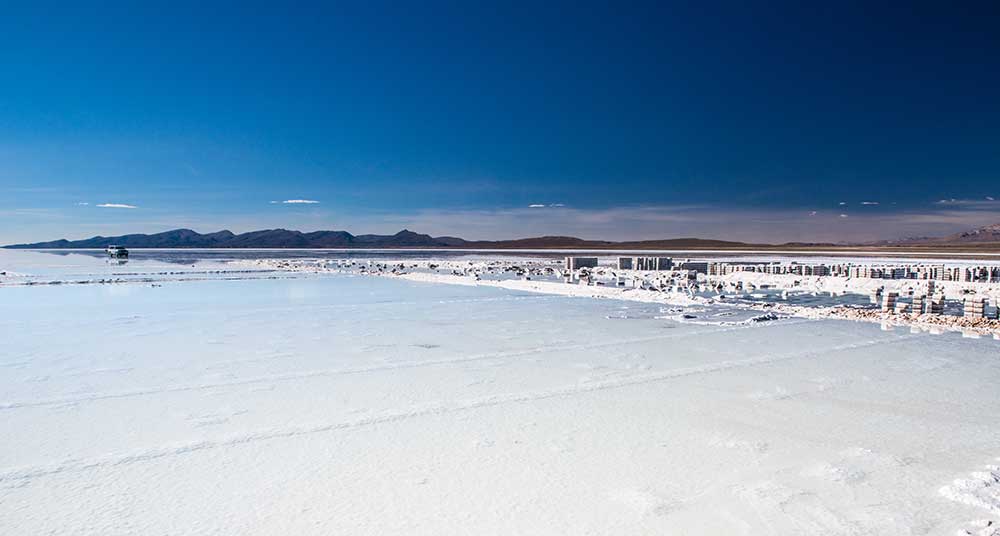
x,y
912,318
932,323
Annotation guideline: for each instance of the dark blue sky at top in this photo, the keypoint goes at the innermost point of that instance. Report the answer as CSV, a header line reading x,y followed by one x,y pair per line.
x,y
205,109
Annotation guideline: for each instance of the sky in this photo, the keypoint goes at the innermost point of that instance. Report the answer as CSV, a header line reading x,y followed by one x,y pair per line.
x,y
761,121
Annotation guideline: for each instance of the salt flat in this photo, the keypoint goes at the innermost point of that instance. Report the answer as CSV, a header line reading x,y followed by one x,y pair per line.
x,y
336,404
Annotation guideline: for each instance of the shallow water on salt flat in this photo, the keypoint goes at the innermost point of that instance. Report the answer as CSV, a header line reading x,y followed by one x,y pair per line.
x,y
361,405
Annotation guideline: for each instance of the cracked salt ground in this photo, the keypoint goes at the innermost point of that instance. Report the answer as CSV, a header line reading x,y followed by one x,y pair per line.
x,y
346,405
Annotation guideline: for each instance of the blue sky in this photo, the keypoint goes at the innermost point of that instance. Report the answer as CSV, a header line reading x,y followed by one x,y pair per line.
x,y
775,121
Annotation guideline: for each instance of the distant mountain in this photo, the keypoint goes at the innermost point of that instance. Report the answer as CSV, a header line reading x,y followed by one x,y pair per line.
x,y
270,238
283,238
980,239
569,242
178,238
987,235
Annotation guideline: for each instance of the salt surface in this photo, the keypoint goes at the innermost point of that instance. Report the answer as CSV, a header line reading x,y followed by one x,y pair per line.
x,y
335,404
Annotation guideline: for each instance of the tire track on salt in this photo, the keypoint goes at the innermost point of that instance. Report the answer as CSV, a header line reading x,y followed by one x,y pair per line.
x,y
346,371
440,408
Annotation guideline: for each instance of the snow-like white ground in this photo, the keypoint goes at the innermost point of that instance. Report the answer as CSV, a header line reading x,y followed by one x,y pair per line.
x,y
336,404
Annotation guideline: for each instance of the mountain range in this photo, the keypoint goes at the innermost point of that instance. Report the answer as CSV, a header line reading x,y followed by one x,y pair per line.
x,y
283,238
983,237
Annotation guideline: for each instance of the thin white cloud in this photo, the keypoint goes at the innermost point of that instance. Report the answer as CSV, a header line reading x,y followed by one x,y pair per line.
x,y
869,202
536,206
82,204
116,205
842,203
813,213
297,202
843,215
556,205
986,203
